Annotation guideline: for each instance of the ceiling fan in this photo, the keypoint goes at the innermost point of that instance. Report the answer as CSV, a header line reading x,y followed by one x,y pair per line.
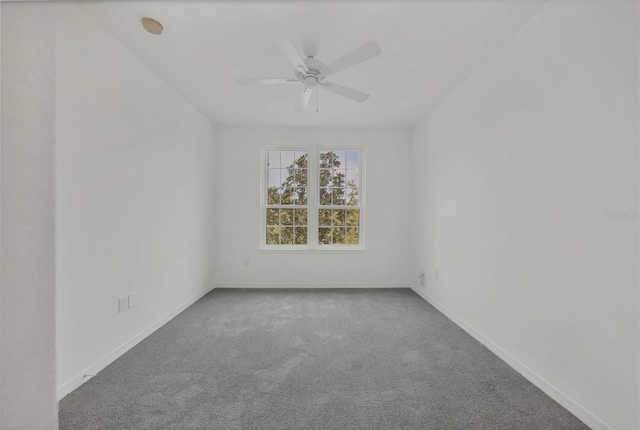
x,y
311,72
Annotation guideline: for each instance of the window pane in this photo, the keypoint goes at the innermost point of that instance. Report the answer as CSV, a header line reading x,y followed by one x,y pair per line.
x,y
338,217
286,235
324,216
353,217
302,196
274,159
274,178
353,199
286,196
338,177
301,159
353,178
326,159
287,158
301,236
353,236
340,159
325,177
300,177
273,235
325,196
273,217
338,196
295,196
324,236
353,159
273,196
339,236
287,177
301,217
286,216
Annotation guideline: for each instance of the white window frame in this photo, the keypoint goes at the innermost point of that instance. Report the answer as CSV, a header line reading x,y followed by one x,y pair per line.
x,y
313,197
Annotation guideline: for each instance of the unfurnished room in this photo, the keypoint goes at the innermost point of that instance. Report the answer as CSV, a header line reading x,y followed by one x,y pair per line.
x,y
357,214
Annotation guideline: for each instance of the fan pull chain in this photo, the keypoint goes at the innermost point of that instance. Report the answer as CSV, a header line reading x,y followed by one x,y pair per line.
x,y
317,98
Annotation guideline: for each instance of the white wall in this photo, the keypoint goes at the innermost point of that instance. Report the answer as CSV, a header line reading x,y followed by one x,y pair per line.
x,y
27,339
384,263
133,198
514,176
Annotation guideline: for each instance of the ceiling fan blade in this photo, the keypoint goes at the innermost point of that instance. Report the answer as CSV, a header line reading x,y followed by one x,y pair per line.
x,y
267,81
303,100
347,92
292,55
358,55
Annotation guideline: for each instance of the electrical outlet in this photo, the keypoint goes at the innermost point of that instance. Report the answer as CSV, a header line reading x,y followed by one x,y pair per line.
x,y
437,273
247,262
422,278
122,304
131,300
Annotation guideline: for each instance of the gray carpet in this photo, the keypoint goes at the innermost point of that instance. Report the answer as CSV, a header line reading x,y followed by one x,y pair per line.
x,y
311,359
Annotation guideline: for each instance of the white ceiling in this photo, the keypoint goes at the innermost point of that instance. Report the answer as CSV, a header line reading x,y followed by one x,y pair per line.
x,y
428,48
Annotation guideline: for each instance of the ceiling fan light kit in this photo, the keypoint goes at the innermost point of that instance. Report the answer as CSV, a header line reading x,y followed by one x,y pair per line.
x,y
312,73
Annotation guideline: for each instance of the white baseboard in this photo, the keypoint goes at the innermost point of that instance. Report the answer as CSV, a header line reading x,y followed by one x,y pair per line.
x,y
567,402
67,387
260,285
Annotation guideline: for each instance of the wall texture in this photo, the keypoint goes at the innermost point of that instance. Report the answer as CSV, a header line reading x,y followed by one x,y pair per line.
x,y
134,195
27,338
526,201
383,263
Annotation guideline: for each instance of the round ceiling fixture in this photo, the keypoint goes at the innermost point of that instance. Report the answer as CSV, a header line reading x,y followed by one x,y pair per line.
x,y
151,25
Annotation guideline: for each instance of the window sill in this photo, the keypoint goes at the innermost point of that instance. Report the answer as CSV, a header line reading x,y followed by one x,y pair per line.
x,y
293,249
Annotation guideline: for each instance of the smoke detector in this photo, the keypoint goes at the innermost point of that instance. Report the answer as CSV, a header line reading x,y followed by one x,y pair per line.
x,y
151,25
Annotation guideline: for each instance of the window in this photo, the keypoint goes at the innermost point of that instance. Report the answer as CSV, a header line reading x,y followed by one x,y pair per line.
x,y
287,197
312,198
339,206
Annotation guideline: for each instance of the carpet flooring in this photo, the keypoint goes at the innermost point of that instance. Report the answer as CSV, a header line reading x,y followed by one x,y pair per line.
x,y
310,359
